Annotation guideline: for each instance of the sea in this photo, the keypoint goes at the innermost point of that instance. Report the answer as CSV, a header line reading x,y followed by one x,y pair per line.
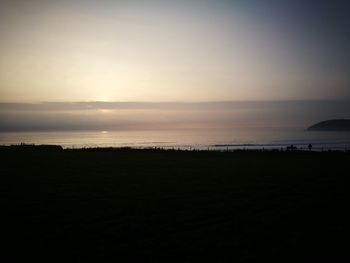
x,y
187,139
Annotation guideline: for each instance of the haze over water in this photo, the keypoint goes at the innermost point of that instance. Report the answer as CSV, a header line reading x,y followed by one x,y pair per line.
x,y
200,139
217,125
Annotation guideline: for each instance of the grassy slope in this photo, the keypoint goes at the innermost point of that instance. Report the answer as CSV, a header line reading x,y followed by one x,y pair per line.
x,y
184,206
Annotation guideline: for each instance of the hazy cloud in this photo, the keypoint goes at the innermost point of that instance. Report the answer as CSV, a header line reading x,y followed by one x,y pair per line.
x,y
163,115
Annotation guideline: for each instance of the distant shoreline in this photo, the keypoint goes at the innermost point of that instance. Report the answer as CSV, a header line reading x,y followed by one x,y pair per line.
x,y
336,125
212,148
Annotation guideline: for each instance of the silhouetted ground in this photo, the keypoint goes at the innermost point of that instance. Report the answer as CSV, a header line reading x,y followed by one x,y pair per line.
x,y
173,206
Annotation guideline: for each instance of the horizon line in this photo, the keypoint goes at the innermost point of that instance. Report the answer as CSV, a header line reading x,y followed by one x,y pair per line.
x,y
172,101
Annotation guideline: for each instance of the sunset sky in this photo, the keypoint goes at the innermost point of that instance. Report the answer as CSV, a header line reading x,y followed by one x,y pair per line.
x,y
182,50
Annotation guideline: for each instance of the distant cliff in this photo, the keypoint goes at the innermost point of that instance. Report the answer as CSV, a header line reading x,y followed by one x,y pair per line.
x,y
331,125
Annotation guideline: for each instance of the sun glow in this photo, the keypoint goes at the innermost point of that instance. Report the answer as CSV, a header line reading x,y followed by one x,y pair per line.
x,y
104,110
161,51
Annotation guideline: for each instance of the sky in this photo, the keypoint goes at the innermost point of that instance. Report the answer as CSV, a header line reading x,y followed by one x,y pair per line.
x,y
174,51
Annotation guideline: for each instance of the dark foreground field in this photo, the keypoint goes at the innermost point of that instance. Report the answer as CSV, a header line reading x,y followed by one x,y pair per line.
x,y
169,206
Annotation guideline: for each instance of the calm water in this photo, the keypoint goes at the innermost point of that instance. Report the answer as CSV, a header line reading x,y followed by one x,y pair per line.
x,y
198,138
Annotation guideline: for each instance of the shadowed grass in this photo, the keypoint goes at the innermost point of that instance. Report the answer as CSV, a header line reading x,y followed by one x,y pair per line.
x,y
166,206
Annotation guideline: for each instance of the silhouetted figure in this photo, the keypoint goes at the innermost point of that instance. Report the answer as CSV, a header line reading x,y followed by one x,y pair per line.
x,y
292,147
310,147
